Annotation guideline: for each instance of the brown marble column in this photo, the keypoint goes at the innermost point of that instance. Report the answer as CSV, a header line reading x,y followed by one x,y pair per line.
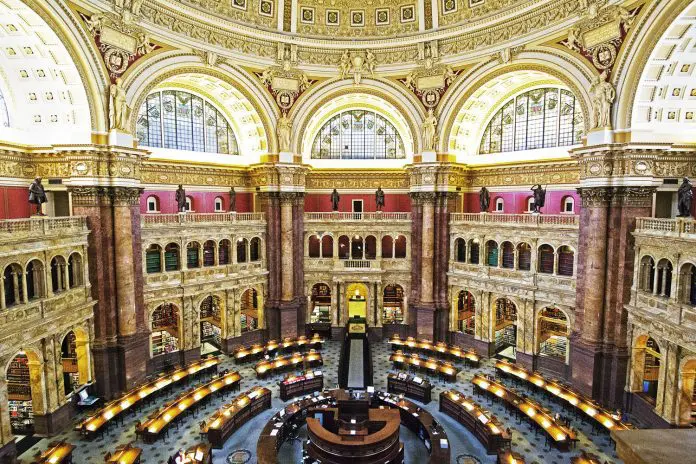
x,y
286,247
445,203
427,250
120,349
598,349
269,203
422,304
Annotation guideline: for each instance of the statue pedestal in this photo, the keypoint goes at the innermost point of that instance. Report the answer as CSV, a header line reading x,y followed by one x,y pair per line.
x,y
286,157
120,139
600,136
429,156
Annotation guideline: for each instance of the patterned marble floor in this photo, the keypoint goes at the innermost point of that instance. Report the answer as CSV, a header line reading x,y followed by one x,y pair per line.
x,y
525,438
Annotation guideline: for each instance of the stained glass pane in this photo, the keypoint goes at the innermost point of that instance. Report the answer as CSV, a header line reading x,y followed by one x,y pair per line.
x,y
538,118
358,134
180,120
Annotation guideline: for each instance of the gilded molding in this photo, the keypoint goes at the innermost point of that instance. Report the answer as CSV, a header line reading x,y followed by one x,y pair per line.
x,y
357,179
603,197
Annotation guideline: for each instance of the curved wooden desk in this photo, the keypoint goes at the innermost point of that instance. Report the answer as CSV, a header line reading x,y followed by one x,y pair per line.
x,y
381,446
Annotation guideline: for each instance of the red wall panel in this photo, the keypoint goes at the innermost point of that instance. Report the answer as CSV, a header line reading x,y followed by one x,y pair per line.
x,y
14,202
393,202
516,202
203,202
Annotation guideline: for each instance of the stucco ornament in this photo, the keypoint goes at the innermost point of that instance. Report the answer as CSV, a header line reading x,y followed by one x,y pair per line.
x,y
357,64
603,96
119,111
429,129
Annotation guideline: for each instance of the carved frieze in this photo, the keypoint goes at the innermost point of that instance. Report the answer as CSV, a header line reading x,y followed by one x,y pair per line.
x,y
120,42
358,180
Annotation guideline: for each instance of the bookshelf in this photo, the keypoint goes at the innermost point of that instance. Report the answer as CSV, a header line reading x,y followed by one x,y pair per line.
x,y
392,301
19,395
163,342
211,333
321,297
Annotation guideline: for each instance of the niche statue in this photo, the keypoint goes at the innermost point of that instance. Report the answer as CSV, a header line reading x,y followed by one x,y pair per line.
x,y
539,197
379,198
335,198
685,197
484,199
180,199
37,195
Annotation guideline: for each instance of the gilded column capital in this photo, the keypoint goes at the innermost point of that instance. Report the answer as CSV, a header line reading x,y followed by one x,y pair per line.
x,y
595,197
293,198
90,196
598,197
420,198
126,196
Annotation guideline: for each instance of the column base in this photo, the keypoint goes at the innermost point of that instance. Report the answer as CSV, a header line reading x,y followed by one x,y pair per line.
x,y
50,424
289,320
441,324
552,366
585,361
134,353
105,358
524,359
424,318
644,411
8,453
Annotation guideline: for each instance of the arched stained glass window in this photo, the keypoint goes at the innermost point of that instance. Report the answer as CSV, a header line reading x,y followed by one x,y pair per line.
x,y
539,118
184,121
4,114
358,134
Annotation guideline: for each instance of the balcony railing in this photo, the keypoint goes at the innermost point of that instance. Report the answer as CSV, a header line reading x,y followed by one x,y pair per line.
x,y
677,226
566,220
357,264
42,226
200,218
347,217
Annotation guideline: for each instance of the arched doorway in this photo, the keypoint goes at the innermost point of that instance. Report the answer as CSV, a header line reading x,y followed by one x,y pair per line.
x,y
24,391
164,338
553,333
211,325
250,317
466,313
75,360
393,304
645,368
356,296
687,400
321,304
505,335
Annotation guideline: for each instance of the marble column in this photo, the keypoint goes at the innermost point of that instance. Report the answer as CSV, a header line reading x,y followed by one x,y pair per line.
x,y
598,348
286,247
427,252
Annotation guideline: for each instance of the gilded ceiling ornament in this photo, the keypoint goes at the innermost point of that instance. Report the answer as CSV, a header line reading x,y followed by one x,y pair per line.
x,y
286,84
120,42
128,9
600,32
357,63
429,84
506,55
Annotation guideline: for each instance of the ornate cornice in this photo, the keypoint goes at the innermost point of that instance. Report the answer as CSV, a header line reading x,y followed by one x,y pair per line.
x,y
104,196
603,197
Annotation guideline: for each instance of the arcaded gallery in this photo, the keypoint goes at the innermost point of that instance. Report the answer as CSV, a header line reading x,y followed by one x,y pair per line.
x,y
348,232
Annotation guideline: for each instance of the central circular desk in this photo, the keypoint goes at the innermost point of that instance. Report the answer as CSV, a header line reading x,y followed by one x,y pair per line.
x,y
369,438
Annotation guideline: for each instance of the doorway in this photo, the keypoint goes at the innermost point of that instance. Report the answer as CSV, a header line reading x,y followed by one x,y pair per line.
x,y
357,209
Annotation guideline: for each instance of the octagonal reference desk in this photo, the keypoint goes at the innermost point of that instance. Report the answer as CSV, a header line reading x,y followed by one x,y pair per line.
x,y
469,357
271,366
254,352
482,424
420,422
443,369
562,437
601,416
235,414
158,422
111,411
336,437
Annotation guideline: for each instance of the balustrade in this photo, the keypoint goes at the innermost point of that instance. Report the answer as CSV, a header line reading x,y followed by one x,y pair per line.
x,y
347,217
200,218
565,220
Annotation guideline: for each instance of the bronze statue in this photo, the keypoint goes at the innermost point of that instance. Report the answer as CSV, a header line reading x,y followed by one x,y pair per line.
x,y
233,200
539,197
180,199
335,198
484,199
37,195
685,197
379,198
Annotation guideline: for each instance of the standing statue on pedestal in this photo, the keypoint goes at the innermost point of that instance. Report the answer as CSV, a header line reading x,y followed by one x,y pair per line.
x,y
118,109
484,199
685,197
539,197
603,96
37,195
429,130
283,130
335,198
180,199
379,198
233,201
